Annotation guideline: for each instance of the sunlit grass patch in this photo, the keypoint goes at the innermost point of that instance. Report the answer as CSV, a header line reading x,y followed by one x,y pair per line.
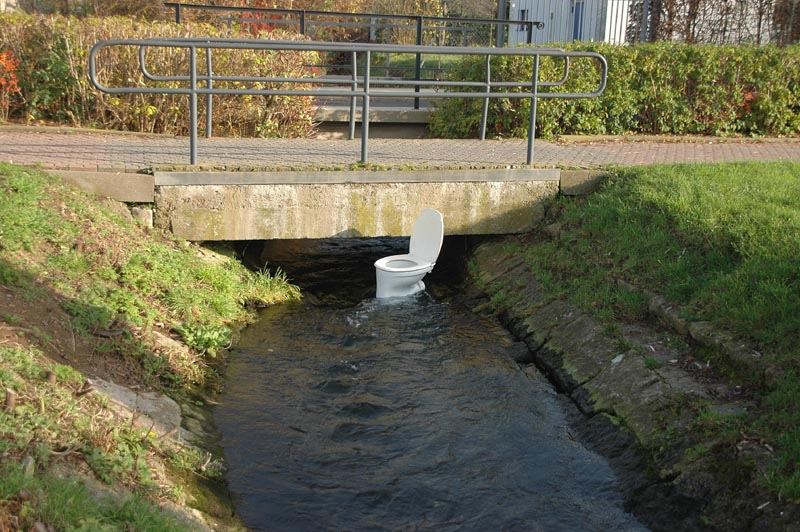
x,y
719,241
52,423
111,274
67,504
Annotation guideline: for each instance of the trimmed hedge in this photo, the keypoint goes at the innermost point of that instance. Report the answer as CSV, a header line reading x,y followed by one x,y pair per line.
x,y
54,85
661,88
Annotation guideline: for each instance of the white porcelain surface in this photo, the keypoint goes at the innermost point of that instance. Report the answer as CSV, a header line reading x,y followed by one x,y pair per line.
x,y
401,275
427,236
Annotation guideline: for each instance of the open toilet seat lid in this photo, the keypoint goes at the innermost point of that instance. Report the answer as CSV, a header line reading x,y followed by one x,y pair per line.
x,y
427,236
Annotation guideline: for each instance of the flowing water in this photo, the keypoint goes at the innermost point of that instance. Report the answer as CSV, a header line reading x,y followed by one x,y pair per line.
x,y
402,414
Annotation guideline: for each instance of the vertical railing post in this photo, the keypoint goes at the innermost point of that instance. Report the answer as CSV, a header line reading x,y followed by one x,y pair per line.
x,y
303,22
354,87
485,113
178,17
530,32
209,98
534,99
418,61
645,30
502,14
193,105
365,109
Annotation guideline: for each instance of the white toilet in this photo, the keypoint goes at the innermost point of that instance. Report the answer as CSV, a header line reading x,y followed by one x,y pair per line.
x,y
401,275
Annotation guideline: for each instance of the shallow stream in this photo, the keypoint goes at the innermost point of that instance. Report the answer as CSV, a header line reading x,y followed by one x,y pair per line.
x,y
405,414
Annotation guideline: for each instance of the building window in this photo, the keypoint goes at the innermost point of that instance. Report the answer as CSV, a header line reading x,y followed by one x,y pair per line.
x,y
577,20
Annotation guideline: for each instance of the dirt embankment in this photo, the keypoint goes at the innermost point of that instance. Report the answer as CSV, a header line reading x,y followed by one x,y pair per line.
x,y
111,341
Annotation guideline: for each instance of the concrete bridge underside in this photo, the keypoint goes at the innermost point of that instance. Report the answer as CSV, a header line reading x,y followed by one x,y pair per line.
x,y
287,205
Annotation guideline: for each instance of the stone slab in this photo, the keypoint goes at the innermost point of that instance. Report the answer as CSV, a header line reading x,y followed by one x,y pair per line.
x,y
580,182
121,186
147,410
390,115
281,211
300,177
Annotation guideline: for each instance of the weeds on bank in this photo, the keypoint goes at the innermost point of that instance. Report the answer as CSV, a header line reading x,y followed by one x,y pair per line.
x,y
124,290
117,279
721,241
52,422
67,504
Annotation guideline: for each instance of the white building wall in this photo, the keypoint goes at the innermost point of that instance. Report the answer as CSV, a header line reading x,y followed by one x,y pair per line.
x,y
616,21
554,13
587,21
568,20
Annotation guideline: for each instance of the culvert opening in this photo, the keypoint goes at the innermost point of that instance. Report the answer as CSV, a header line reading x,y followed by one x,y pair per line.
x,y
340,271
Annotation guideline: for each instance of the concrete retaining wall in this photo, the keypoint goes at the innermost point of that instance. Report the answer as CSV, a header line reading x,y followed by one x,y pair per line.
x,y
259,205
280,211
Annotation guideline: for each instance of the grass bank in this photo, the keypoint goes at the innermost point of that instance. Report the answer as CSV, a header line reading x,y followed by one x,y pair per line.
x,y
722,243
85,291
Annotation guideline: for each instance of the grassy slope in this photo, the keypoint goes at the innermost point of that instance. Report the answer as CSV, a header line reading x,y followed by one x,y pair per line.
x,y
722,242
83,288
112,276
56,428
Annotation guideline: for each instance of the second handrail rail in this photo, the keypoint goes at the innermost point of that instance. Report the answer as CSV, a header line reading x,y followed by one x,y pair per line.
x,y
353,87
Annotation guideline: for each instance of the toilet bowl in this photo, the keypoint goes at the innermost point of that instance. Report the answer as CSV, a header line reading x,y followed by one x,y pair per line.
x,y
401,275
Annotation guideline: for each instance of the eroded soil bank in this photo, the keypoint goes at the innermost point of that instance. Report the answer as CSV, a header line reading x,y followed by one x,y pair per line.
x,y
640,387
111,341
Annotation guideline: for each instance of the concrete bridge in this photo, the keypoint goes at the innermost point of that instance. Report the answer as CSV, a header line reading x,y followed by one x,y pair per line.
x,y
204,205
302,204
312,190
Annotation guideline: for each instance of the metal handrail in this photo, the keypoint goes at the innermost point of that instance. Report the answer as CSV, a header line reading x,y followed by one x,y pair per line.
x,y
304,14
353,87
179,7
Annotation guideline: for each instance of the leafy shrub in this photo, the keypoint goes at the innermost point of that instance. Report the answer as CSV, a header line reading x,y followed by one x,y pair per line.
x,y
54,86
205,338
661,88
8,82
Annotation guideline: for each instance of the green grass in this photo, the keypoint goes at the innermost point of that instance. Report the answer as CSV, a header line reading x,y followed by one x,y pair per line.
x,y
433,66
67,504
50,416
722,242
117,286
111,273
652,363
49,420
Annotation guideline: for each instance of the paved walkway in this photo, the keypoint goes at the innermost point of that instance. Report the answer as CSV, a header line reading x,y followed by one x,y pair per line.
x,y
93,151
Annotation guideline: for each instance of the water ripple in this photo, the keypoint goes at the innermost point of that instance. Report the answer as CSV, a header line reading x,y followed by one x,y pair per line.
x,y
401,415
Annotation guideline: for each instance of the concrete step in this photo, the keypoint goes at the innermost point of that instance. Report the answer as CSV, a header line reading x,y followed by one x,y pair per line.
x,y
384,122
377,115
121,186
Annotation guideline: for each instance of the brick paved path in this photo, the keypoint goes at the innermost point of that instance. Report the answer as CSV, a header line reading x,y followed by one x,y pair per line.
x,y
92,151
